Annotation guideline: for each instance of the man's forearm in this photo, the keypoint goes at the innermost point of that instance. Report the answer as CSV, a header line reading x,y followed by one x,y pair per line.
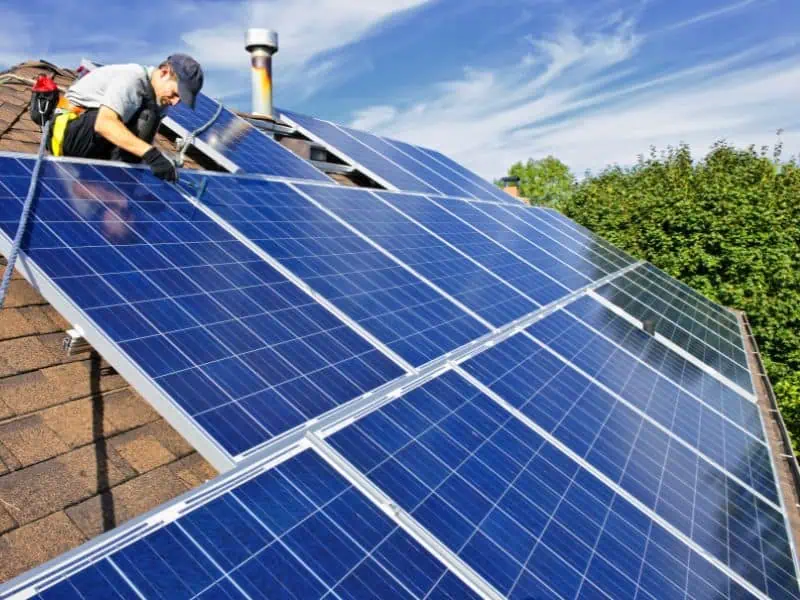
x,y
110,126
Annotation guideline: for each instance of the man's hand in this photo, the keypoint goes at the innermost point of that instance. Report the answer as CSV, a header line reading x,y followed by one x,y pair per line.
x,y
160,165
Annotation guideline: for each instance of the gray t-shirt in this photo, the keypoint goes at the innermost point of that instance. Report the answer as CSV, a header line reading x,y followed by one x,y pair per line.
x,y
122,88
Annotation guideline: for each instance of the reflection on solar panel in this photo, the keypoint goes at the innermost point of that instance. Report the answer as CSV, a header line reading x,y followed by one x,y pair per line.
x,y
425,397
700,427
378,293
466,281
479,247
529,516
236,144
376,165
682,321
579,232
683,372
397,165
570,268
228,341
300,530
696,498
490,192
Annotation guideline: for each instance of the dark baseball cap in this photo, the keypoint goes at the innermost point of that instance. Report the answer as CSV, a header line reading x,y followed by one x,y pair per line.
x,y
190,77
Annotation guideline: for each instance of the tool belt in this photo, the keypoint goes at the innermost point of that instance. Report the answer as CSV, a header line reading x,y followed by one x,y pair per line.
x,y
65,114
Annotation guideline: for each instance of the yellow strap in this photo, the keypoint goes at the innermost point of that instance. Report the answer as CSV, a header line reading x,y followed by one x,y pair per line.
x,y
59,129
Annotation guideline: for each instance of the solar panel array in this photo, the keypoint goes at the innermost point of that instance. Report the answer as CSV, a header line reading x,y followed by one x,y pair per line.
x,y
235,143
397,165
416,393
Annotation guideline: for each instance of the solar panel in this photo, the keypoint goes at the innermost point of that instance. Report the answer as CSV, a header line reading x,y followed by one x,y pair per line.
x,y
743,532
690,316
235,144
468,282
691,296
391,152
375,291
534,216
413,392
232,352
533,282
298,530
377,166
534,520
713,343
525,220
688,418
489,191
471,189
574,229
568,268
670,364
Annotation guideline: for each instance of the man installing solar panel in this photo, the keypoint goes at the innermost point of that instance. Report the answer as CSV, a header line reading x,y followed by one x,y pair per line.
x,y
113,112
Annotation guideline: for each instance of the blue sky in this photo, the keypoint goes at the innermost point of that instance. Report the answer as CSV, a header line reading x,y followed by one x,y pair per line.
x,y
488,82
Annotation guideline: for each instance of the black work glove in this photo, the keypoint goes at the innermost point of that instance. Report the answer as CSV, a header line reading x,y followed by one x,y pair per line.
x,y
160,165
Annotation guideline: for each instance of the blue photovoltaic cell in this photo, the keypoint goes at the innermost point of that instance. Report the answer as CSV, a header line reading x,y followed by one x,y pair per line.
x,y
534,216
523,515
719,515
518,216
298,531
498,260
670,364
647,288
582,259
649,305
569,270
399,309
488,296
695,299
359,153
571,227
240,142
466,188
244,352
490,192
432,178
707,431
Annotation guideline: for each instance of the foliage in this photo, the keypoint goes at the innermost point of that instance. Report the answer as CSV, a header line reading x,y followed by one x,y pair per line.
x,y
546,181
727,225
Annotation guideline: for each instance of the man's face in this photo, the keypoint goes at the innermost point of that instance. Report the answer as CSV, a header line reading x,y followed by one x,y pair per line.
x,y
165,85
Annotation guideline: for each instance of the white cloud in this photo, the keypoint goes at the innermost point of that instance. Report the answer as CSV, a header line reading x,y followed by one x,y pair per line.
x,y
548,103
307,29
710,15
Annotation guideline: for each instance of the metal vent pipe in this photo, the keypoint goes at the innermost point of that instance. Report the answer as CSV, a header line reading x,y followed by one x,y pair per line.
x,y
261,44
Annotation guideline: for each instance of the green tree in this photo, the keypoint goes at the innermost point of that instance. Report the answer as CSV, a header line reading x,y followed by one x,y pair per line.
x,y
546,181
727,225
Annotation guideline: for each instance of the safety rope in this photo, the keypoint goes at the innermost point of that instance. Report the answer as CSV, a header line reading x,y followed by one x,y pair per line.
x,y
184,146
26,211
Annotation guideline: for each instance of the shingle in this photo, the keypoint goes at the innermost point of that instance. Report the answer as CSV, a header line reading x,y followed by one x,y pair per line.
x,y
30,440
31,545
83,421
28,320
32,493
26,354
98,467
168,437
193,470
20,293
143,452
127,410
100,513
55,385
